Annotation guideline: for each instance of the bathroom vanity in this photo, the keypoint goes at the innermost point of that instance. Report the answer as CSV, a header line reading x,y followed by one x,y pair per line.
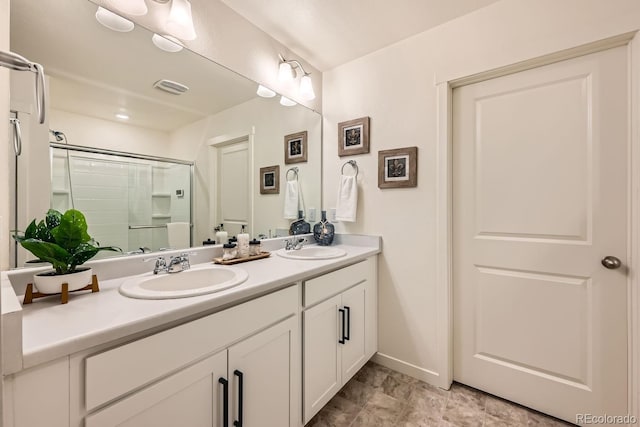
x,y
268,352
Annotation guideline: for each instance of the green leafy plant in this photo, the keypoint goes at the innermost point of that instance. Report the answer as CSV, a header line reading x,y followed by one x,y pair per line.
x,y
62,240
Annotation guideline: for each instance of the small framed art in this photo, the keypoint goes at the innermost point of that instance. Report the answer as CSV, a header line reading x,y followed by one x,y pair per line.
x,y
295,148
398,168
353,137
270,180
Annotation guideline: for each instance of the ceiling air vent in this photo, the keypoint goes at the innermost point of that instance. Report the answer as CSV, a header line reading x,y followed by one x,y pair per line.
x,y
172,87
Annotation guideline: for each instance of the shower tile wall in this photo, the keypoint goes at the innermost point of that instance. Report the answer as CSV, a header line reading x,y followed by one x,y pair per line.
x,y
139,205
101,192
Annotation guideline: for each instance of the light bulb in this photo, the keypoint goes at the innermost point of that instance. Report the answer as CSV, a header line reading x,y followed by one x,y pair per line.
x,y
287,102
180,22
306,88
285,72
265,92
166,43
113,21
130,7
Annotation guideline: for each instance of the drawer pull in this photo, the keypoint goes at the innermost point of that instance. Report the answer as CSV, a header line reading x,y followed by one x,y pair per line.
x,y
348,335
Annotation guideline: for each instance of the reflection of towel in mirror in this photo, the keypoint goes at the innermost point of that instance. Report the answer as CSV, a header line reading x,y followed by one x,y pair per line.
x,y
178,235
347,203
291,197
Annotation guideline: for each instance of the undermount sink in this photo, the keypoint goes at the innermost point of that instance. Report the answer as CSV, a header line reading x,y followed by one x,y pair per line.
x,y
187,283
312,252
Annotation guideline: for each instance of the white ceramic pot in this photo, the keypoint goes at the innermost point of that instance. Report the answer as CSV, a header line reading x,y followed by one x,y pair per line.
x,y
47,283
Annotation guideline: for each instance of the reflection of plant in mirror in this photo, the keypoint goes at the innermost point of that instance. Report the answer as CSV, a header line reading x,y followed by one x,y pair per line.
x,y
61,240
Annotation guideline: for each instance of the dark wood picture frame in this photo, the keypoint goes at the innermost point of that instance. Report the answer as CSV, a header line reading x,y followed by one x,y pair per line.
x,y
295,148
398,168
270,180
353,137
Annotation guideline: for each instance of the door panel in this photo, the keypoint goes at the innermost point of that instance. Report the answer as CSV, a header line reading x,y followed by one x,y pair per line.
x,y
539,198
353,351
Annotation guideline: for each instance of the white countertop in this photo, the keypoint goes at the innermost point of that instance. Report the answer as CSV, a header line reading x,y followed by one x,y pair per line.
x,y
51,330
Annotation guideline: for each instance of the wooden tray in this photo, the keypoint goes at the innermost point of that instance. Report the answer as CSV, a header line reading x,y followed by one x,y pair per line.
x,y
239,260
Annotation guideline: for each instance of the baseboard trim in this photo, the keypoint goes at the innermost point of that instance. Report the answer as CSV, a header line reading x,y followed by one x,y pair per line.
x,y
430,377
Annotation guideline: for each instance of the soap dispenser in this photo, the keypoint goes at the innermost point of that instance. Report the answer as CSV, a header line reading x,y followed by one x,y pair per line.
x,y
243,243
221,235
324,231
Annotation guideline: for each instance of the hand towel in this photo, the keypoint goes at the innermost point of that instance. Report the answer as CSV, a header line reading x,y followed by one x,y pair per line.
x,y
179,235
291,197
347,203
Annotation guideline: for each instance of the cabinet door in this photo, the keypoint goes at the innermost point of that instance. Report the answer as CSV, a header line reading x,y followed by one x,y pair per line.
x,y
262,377
353,351
321,355
192,397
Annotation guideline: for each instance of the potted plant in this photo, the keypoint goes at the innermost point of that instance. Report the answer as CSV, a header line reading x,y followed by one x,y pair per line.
x,y
63,241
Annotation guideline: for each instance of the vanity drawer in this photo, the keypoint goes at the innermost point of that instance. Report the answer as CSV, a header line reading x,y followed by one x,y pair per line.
x,y
139,363
325,286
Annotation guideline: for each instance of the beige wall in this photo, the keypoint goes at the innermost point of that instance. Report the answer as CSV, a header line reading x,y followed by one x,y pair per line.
x,y
396,88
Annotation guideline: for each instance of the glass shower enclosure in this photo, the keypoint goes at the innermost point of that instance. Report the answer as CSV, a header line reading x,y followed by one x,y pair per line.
x,y
128,199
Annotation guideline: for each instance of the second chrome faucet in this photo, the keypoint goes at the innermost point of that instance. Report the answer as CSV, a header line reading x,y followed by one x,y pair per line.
x,y
176,264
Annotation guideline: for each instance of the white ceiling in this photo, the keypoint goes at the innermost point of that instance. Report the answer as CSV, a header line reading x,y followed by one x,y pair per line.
x,y
328,33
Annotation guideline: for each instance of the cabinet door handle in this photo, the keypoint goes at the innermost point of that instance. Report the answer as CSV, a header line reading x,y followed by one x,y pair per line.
x,y
342,338
225,401
238,422
348,335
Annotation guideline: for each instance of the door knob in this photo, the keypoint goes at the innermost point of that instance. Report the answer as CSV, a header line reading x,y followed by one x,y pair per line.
x,y
611,262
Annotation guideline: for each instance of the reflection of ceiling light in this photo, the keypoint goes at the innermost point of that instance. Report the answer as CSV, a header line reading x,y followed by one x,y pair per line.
x,y
286,102
170,86
180,22
166,43
112,21
122,116
265,92
130,7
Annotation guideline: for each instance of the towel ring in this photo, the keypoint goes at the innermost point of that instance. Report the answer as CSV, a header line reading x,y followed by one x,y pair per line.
x,y
353,164
295,172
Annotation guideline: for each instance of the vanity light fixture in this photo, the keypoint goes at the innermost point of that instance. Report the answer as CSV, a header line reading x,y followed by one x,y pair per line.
x,y
287,102
113,21
287,71
180,22
166,43
130,7
265,92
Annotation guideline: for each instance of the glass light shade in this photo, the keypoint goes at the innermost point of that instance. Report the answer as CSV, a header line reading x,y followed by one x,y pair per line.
x,y
166,43
180,22
113,21
130,7
265,92
286,102
306,88
285,72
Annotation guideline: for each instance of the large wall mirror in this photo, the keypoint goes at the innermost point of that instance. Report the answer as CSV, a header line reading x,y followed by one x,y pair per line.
x,y
135,158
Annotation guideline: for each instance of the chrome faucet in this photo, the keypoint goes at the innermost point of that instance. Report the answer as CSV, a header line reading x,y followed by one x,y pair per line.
x,y
176,264
293,244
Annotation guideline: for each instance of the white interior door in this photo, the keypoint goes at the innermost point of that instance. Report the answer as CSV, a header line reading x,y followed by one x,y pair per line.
x,y
540,198
233,187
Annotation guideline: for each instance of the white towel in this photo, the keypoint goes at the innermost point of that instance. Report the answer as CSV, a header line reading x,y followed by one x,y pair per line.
x,y
291,197
178,234
347,203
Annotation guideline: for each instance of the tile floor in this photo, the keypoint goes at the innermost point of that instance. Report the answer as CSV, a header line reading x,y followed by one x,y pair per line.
x,y
377,396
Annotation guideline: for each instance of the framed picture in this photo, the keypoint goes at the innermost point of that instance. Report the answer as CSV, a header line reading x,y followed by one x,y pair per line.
x,y
295,147
270,180
398,168
353,137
